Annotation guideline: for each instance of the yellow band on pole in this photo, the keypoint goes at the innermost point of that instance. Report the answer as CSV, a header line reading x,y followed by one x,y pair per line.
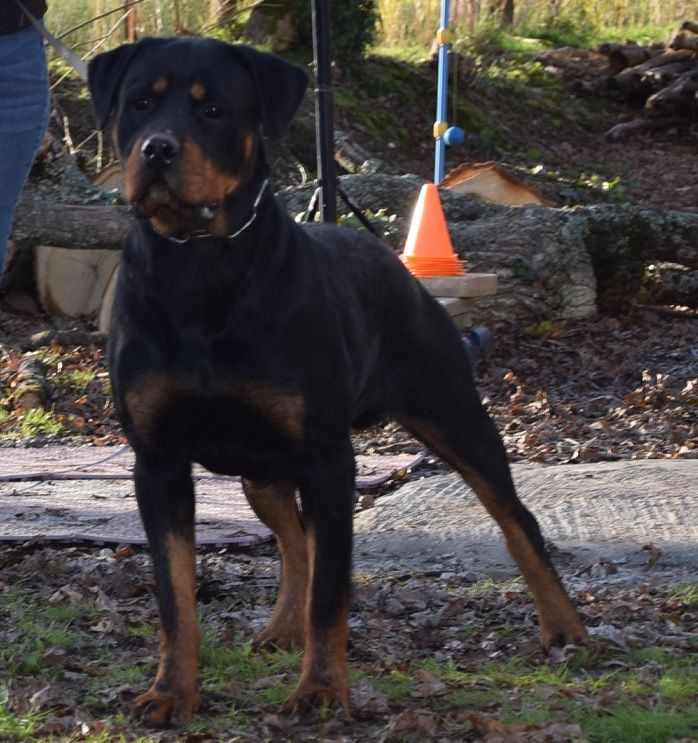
x,y
440,128
445,36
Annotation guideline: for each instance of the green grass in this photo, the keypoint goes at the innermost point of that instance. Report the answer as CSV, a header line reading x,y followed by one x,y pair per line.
x,y
626,722
40,422
487,586
685,594
520,690
138,677
411,53
222,663
492,40
39,627
642,34
144,629
36,422
47,356
564,31
396,684
76,379
511,673
18,727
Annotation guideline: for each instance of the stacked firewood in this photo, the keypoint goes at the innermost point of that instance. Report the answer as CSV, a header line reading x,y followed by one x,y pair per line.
x,y
661,78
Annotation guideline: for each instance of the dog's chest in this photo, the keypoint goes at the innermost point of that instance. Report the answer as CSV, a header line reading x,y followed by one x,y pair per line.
x,y
183,409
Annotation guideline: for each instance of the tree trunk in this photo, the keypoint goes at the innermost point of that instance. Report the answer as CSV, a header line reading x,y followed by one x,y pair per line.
x,y
506,9
131,23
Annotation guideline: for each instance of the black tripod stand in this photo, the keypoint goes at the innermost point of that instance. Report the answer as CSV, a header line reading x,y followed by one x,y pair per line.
x,y
325,196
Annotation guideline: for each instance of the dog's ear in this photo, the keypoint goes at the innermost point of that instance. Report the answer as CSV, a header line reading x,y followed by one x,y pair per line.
x,y
280,88
104,75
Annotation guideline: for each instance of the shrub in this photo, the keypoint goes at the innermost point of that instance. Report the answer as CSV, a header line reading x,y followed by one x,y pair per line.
x,y
354,25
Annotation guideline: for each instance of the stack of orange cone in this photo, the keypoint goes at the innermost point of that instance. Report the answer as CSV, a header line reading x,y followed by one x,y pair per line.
x,y
428,250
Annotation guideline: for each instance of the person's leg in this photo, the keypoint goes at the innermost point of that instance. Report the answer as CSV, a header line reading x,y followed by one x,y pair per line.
x,y
24,108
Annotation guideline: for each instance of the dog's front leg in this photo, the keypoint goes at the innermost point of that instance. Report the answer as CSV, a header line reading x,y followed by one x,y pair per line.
x,y
165,494
327,498
275,504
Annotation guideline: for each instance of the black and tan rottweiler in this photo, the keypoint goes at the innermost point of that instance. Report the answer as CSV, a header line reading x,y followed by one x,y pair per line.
x,y
252,345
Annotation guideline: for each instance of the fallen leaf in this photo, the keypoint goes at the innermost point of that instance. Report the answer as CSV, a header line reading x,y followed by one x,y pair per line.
x,y
655,554
431,685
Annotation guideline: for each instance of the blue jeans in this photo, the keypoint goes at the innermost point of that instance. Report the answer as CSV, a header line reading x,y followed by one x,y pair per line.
x,y
24,109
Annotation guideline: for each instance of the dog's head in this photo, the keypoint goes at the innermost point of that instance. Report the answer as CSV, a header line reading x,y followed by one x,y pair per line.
x,y
188,119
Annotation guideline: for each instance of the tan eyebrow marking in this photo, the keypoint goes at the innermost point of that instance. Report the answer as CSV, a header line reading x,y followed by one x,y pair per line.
x,y
198,92
160,86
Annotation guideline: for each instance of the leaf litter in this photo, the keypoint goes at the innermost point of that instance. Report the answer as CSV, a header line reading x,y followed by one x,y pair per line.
x,y
446,657
445,660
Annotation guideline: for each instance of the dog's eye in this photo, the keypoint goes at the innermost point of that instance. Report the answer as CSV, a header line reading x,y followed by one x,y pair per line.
x,y
141,103
213,112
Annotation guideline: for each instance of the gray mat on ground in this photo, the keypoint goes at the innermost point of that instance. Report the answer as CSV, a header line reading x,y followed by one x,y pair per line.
x,y
74,494
608,509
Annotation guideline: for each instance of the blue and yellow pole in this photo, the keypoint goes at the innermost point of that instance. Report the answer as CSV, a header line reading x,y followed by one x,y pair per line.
x,y
445,39
443,134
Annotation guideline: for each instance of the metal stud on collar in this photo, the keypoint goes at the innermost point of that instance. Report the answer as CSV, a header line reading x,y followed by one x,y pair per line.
x,y
198,234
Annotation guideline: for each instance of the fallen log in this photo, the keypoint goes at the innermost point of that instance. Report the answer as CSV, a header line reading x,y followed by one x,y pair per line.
x,y
678,99
670,283
30,389
551,263
628,127
683,40
690,26
351,156
660,80
628,55
72,282
71,226
641,81
622,241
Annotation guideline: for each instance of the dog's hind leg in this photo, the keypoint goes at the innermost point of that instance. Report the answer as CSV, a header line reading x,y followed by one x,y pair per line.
x,y
165,494
434,396
327,502
275,505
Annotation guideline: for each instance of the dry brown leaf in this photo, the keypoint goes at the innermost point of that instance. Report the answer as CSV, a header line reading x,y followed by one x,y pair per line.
x,y
654,554
430,685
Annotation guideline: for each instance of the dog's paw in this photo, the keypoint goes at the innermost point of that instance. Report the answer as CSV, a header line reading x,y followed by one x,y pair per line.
x,y
160,708
283,635
563,630
308,695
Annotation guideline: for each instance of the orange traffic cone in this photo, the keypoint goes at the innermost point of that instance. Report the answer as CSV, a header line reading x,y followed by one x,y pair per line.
x,y
428,250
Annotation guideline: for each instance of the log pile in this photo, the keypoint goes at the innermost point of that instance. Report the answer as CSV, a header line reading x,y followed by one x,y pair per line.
x,y
661,79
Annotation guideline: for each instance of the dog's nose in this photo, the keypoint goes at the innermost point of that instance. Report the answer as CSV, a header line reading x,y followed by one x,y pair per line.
x,y
160,150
